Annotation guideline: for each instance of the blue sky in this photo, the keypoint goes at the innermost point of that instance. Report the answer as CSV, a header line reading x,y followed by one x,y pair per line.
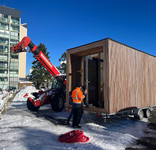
x,y
64,24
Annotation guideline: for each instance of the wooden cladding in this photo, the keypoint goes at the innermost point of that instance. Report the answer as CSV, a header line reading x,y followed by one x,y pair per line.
x,y
132,78
129,75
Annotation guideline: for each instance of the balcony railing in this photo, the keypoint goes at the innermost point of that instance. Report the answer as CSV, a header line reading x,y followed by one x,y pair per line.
x,y
14,60
3,27
3,59
4,35
14,37
4,42
3,82
14,29
15,22
4,19
13,68
13,75
3,75
4,51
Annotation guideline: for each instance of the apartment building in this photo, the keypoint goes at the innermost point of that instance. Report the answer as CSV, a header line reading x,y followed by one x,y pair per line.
x,y
12,66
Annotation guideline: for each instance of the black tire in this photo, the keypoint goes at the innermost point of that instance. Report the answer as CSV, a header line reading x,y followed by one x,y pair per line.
x,y
147,113
31,107
136,117
57,103
141,115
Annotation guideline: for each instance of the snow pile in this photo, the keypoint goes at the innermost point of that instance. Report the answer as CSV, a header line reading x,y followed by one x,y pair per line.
x,y
3,98
3,101
22,92
2,94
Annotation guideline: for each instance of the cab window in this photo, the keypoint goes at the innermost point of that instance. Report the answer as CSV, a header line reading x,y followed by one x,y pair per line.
x,y
55,84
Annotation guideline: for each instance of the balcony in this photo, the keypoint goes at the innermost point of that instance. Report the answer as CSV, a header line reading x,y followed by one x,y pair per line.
x,y
3,68
3,58
14,60
4,27
3,65
4,42
14,28
14,67
13,43
3,75
5,51
14,37
4,35
3,82
2,19
13,75
15,22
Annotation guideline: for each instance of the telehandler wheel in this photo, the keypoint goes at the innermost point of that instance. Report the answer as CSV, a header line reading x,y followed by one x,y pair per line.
x,y
31,107
57,103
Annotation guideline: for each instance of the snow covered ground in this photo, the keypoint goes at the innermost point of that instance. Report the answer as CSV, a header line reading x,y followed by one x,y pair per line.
x,y
4,97
21,129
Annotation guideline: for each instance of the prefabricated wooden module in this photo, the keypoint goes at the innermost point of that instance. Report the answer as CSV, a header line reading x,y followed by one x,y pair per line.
x,y
117,76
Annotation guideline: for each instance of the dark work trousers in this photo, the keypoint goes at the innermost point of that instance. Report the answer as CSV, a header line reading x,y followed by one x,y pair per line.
x,y
78,112
71,113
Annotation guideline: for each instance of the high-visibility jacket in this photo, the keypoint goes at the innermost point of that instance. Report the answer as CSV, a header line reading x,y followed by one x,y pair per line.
x,y
77,96
64,83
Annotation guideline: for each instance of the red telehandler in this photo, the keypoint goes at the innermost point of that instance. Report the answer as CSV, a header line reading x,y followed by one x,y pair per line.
x,y
54,96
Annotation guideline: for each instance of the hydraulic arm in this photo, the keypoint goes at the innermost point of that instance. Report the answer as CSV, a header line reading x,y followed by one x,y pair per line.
x,y
26,42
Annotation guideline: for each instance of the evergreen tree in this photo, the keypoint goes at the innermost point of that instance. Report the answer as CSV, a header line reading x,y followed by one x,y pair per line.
x,y
62,60
40,75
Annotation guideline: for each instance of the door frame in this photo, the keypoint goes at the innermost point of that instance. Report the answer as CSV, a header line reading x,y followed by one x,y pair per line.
x,y
83,55
87,81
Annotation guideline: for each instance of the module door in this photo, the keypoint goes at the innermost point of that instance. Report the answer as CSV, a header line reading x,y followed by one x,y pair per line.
x,y
91,81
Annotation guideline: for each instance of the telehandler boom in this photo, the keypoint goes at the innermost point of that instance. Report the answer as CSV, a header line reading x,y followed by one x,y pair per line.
x,y
54,96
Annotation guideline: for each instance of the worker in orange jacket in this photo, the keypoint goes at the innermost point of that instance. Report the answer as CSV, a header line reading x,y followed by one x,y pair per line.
x,y
78,96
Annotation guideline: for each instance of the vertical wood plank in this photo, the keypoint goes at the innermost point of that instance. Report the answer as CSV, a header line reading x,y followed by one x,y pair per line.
x,y
132,77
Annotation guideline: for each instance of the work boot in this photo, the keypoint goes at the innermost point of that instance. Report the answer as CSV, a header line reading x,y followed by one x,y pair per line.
x,y
68,122
77,126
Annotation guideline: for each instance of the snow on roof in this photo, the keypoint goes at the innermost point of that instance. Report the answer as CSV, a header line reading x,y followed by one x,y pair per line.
x,y
21,81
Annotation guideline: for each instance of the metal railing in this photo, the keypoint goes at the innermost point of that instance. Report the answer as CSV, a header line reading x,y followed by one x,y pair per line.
x,y
13,21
